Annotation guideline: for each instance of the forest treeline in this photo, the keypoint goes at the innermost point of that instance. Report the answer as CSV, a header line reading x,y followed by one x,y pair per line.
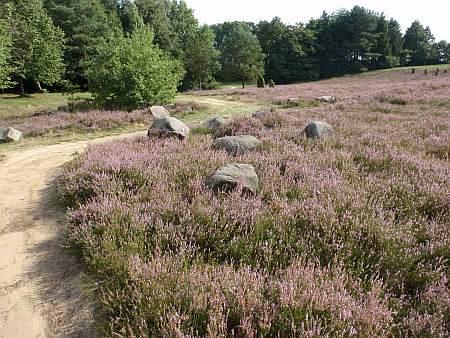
x,y
57,42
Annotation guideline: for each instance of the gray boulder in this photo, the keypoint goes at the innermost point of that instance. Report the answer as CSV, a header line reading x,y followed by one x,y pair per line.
x,y
318,129
327,99
169,126
214,123
259,114
159,112
235,145
228,177
10,135
46,112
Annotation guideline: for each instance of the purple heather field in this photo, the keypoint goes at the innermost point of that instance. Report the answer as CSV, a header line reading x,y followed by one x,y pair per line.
x,y
347,236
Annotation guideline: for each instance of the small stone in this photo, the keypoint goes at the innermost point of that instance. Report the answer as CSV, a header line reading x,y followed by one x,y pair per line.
x,y
236,145
10,135
318,129
169,126
227,178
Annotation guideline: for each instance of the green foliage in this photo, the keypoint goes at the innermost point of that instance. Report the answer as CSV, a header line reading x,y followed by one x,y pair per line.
x,y
418,40
37,45
87,25
5,54
289,50
194,47
241,54
131,72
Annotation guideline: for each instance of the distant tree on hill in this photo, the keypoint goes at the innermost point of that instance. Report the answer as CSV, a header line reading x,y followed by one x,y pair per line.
x,y
395,41
381,51
289,51
241,54
37,45
418,40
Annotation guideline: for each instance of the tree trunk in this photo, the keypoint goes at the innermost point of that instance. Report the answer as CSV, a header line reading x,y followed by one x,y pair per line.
x,y
38,84
21,87
243,82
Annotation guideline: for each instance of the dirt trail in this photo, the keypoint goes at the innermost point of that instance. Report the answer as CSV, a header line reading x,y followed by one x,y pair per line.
x,y
40,292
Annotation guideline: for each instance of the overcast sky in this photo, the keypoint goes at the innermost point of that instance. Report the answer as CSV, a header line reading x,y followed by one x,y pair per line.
x,y
433,13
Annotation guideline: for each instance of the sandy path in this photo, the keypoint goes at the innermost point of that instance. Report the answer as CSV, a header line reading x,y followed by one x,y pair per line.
x,y
40,293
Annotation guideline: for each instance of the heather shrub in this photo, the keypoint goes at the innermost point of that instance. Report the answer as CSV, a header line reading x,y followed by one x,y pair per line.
x,y
347,236
131,72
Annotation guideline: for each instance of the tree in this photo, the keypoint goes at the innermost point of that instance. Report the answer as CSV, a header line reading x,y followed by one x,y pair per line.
x,y
129,16
417,41
195,46
381,52
37,45
132,72
241,54
201,59
87,25
155,13
5,52
289,51
395,41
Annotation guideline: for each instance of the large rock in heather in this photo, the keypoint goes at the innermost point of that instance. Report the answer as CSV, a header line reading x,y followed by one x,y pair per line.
x,y
10,135
159,112
318,129
46,112
228,177
214,123
235,145
259,114
327,99
169,126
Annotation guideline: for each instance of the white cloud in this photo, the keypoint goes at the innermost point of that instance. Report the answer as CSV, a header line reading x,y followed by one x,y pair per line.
x,y
433,13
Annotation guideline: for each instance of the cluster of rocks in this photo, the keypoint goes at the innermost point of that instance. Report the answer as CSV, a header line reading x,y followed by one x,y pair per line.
x,y
232,175
10,135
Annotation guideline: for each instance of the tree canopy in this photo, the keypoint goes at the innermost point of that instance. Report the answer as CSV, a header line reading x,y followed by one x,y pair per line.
x,y
44,40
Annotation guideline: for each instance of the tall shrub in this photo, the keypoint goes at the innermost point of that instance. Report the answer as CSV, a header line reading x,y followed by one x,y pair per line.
x,y
131,72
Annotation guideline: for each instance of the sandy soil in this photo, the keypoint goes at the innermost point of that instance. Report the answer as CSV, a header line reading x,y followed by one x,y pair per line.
x,y
40,282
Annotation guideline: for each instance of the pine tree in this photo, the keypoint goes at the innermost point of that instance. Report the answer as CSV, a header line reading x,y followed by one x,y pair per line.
x,y
382,50
395,41
87,25
417,42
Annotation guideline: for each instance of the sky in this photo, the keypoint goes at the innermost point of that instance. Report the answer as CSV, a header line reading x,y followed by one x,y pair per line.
x,y
433,13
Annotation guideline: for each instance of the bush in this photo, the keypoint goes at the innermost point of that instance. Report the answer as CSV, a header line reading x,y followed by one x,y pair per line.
x,y
271,83
260,82
131,72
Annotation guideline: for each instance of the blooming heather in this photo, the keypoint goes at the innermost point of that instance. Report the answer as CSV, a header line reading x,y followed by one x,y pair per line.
x,y
347,236
64,122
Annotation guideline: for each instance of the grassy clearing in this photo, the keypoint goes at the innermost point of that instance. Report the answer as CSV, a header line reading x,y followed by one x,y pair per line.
x,y
13,105
235,85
